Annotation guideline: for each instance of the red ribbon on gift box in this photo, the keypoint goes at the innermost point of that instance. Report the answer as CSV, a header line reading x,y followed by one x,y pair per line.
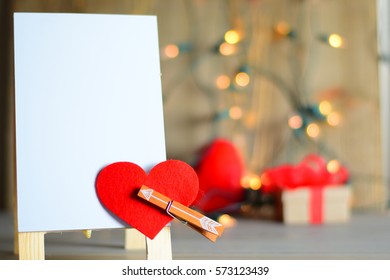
x,y
316,205
311,171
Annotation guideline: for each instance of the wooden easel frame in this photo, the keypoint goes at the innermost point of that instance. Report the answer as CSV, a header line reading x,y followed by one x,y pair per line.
x,y
31,245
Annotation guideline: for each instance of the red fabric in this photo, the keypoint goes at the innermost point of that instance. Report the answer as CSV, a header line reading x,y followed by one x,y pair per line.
x,y
219,170
117,186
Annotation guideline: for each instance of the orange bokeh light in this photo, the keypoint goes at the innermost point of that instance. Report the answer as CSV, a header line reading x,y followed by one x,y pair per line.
x,y
171,51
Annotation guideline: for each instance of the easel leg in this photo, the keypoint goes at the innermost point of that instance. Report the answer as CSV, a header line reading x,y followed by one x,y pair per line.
x,y
160,248
134,240
31,245
16,241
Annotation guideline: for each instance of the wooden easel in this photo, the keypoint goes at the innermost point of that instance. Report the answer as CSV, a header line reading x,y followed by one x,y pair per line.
x,y
31,245
99,90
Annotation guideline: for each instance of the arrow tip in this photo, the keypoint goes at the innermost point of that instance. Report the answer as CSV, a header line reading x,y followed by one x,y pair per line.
x,y
147,193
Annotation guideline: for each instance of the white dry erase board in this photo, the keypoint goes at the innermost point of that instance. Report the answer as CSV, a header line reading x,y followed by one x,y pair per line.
x,y
87,93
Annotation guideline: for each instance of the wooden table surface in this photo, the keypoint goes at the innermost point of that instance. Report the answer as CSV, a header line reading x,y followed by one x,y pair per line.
x,y
365,236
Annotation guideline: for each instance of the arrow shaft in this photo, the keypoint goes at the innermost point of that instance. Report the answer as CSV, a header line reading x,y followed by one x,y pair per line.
x,y
184,213
204,225
176,208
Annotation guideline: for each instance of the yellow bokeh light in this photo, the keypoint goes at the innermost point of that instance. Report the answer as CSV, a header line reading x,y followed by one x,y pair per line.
x,y
227,49
171,51
335,40
242,79
295,122
333,166
251,181
333,119
313,130
325,107
255,183
222,82
232,37
227,220
235,113
245,181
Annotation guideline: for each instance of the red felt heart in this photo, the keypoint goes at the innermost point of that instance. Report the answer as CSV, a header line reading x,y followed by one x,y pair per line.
x,y
220,170
117,186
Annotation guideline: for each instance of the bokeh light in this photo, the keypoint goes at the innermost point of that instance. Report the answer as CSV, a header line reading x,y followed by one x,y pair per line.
x,y
222,82
235,113
313,130
227,49
255,183
242,79
333,166
251,181
295,122
171,51
244,182
325,107
227,220
282,28
335,41
333,119
232,37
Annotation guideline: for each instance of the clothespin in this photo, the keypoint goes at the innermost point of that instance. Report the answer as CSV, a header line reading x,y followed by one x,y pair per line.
x,y
204,225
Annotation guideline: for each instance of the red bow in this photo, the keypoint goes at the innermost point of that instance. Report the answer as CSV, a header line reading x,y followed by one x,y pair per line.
x,y
312,171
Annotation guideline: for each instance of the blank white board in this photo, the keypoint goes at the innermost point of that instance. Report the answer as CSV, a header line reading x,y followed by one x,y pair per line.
x,y
87,93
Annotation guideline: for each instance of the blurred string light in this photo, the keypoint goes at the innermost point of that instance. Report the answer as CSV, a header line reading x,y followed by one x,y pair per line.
x,y
308,118
333,119
227,221
325,107
227,49
232,37
242,78
313,130
251,181
222,82
306,121
295,122
283,29
228,46
333,166
233,113
334,40
171,51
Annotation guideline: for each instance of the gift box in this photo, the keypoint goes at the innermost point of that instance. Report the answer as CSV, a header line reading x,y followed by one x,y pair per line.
x,y
316,204
314,191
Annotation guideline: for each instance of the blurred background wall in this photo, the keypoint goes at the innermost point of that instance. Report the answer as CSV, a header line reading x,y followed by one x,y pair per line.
x,y
293,77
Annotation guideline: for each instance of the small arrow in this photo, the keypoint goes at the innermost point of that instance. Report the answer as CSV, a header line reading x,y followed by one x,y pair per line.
x,y
206,226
